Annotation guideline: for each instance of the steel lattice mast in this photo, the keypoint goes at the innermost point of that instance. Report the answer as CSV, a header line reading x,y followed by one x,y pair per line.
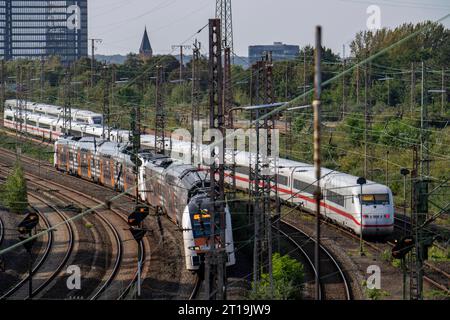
x,y
215,278
160,121
224,13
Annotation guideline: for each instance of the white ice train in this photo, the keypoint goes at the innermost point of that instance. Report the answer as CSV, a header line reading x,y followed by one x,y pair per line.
x,y
78,115
342,200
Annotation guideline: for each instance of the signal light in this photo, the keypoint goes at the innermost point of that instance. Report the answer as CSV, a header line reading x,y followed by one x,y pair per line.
x,y
138,215
402,247
387,216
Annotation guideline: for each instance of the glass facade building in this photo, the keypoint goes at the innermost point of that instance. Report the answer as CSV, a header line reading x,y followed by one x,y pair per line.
x,y
35,29
279,50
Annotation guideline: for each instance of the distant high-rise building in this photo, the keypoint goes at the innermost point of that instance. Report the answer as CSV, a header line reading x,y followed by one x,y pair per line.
x,y
34,29
145,51
279,50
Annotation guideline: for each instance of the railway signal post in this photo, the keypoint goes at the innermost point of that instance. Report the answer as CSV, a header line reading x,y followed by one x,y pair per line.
x,y
361,181
135,220
25,230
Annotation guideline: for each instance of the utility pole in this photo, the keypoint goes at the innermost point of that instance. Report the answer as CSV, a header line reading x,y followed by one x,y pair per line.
x,y
181,47
160,121
387,167
19,98
106,104
93,42
357,84
317,164
443,92
215,259
288,117
42,78
67,103
2,92
365,119
343,83
262,182
195,103
304,75
230,153
136,142
413,87
420,202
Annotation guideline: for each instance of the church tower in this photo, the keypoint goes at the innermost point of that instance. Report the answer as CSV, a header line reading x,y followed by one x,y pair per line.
x,y
145,51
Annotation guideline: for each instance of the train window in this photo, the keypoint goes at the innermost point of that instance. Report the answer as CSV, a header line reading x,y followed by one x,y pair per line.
x,y
9,118
282,179
201,226
44,126
31,123
336,198
243,170
304,187
372,199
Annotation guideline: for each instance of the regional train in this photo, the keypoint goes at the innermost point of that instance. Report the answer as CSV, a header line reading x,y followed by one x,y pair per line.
x,y
370,212
179,190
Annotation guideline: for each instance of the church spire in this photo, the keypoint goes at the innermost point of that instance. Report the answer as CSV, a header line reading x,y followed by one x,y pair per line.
x,y
145,51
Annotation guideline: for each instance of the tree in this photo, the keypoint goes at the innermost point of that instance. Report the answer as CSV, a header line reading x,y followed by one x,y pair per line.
x,y
14,191
288,278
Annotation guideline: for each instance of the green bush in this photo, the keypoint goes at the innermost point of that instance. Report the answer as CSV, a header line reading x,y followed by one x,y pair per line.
x,y
14,191
288,278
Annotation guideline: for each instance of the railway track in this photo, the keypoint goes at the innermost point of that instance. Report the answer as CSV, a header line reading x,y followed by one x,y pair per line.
x,y
19,288
117,270
109,288
125,203
404,225
196,289
333,281
381,247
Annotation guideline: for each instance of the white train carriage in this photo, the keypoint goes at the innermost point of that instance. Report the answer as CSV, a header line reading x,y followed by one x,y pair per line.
x,y
40,126
341,194
77,115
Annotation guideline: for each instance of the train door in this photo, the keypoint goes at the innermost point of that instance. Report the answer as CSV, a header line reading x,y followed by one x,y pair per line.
x,y
59,154
101,173
124,177
106,171
84,164
79,164
88,155
67,153
111,169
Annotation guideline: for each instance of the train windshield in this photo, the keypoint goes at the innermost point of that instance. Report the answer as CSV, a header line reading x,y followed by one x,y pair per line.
x,y
97,120
201,225
379,199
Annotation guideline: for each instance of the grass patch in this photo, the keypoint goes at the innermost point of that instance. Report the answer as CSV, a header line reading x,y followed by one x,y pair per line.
x,y
436,294
437,254
34,150
374,294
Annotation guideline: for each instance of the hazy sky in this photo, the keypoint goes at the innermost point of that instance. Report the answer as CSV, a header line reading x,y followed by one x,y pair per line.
x,y
120,23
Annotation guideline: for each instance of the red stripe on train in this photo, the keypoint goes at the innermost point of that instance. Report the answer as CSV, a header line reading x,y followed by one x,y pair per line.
x,y
312,200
